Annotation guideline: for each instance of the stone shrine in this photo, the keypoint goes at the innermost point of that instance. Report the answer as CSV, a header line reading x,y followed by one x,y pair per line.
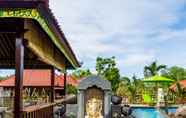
x,y
94,98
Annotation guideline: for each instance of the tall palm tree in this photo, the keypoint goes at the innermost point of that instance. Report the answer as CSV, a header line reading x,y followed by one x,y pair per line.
x,y
153,69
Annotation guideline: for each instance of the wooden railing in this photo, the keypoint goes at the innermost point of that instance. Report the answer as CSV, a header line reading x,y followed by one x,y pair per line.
x,y
39,111
43,110
7,102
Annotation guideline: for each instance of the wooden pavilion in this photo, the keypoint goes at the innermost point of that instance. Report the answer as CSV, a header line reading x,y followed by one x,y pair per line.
x,y
36,87
30,38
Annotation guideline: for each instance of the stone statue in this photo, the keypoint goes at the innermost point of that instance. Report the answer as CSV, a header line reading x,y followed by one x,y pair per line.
x,y
160,99
94,108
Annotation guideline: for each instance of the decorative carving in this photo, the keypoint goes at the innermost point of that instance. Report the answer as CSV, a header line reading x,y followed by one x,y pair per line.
x,y
94,108
94,103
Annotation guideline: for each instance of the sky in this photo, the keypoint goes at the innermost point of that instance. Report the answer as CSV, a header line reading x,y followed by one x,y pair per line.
x,y
135,32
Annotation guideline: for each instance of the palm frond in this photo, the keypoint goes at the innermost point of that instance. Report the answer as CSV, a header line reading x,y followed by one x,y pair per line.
x,y
161,67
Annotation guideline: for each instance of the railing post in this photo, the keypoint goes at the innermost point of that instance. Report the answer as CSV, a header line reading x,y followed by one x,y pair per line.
x,y
19,65
52,85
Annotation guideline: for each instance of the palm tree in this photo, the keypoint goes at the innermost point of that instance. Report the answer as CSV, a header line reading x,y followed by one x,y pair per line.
x,y
130,88
153,69
81,73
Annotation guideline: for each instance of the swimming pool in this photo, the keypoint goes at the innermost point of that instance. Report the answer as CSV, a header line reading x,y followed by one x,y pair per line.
x,y
139,112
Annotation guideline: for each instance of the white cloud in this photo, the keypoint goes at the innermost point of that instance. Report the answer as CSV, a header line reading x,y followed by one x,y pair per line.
x,y
136,59
131,30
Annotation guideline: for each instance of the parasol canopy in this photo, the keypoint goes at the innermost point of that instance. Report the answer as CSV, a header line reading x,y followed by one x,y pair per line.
x,y
158,78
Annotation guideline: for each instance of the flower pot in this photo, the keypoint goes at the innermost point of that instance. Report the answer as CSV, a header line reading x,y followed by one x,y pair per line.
x,y
126,110
116,99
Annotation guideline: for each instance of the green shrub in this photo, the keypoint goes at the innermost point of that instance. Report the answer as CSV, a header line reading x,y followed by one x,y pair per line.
x,y
71,89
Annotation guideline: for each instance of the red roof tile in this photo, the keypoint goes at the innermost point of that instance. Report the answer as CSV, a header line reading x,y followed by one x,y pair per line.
x,y
38,78
182,83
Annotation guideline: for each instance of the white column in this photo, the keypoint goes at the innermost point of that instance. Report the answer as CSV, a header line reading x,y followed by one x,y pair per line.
x,y
107,104
81,109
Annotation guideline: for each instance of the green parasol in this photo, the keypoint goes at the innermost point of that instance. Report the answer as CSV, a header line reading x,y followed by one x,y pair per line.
x,y
157,82
158,78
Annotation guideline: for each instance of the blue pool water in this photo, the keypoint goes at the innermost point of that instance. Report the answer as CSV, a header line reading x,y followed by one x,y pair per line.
x,y
149,112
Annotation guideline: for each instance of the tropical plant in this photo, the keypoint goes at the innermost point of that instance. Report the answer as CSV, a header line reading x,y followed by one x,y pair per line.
x,y
153,69
71,89
130,88
106,67
180,92
80,73
122,89
2,78
177,74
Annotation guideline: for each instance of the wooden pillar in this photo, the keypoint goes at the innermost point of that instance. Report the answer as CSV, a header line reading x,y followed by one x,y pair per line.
x,y
19,65
65,87
52,94
65,81
52,85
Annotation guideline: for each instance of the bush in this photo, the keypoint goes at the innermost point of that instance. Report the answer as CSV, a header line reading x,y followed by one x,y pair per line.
x,y
71,89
